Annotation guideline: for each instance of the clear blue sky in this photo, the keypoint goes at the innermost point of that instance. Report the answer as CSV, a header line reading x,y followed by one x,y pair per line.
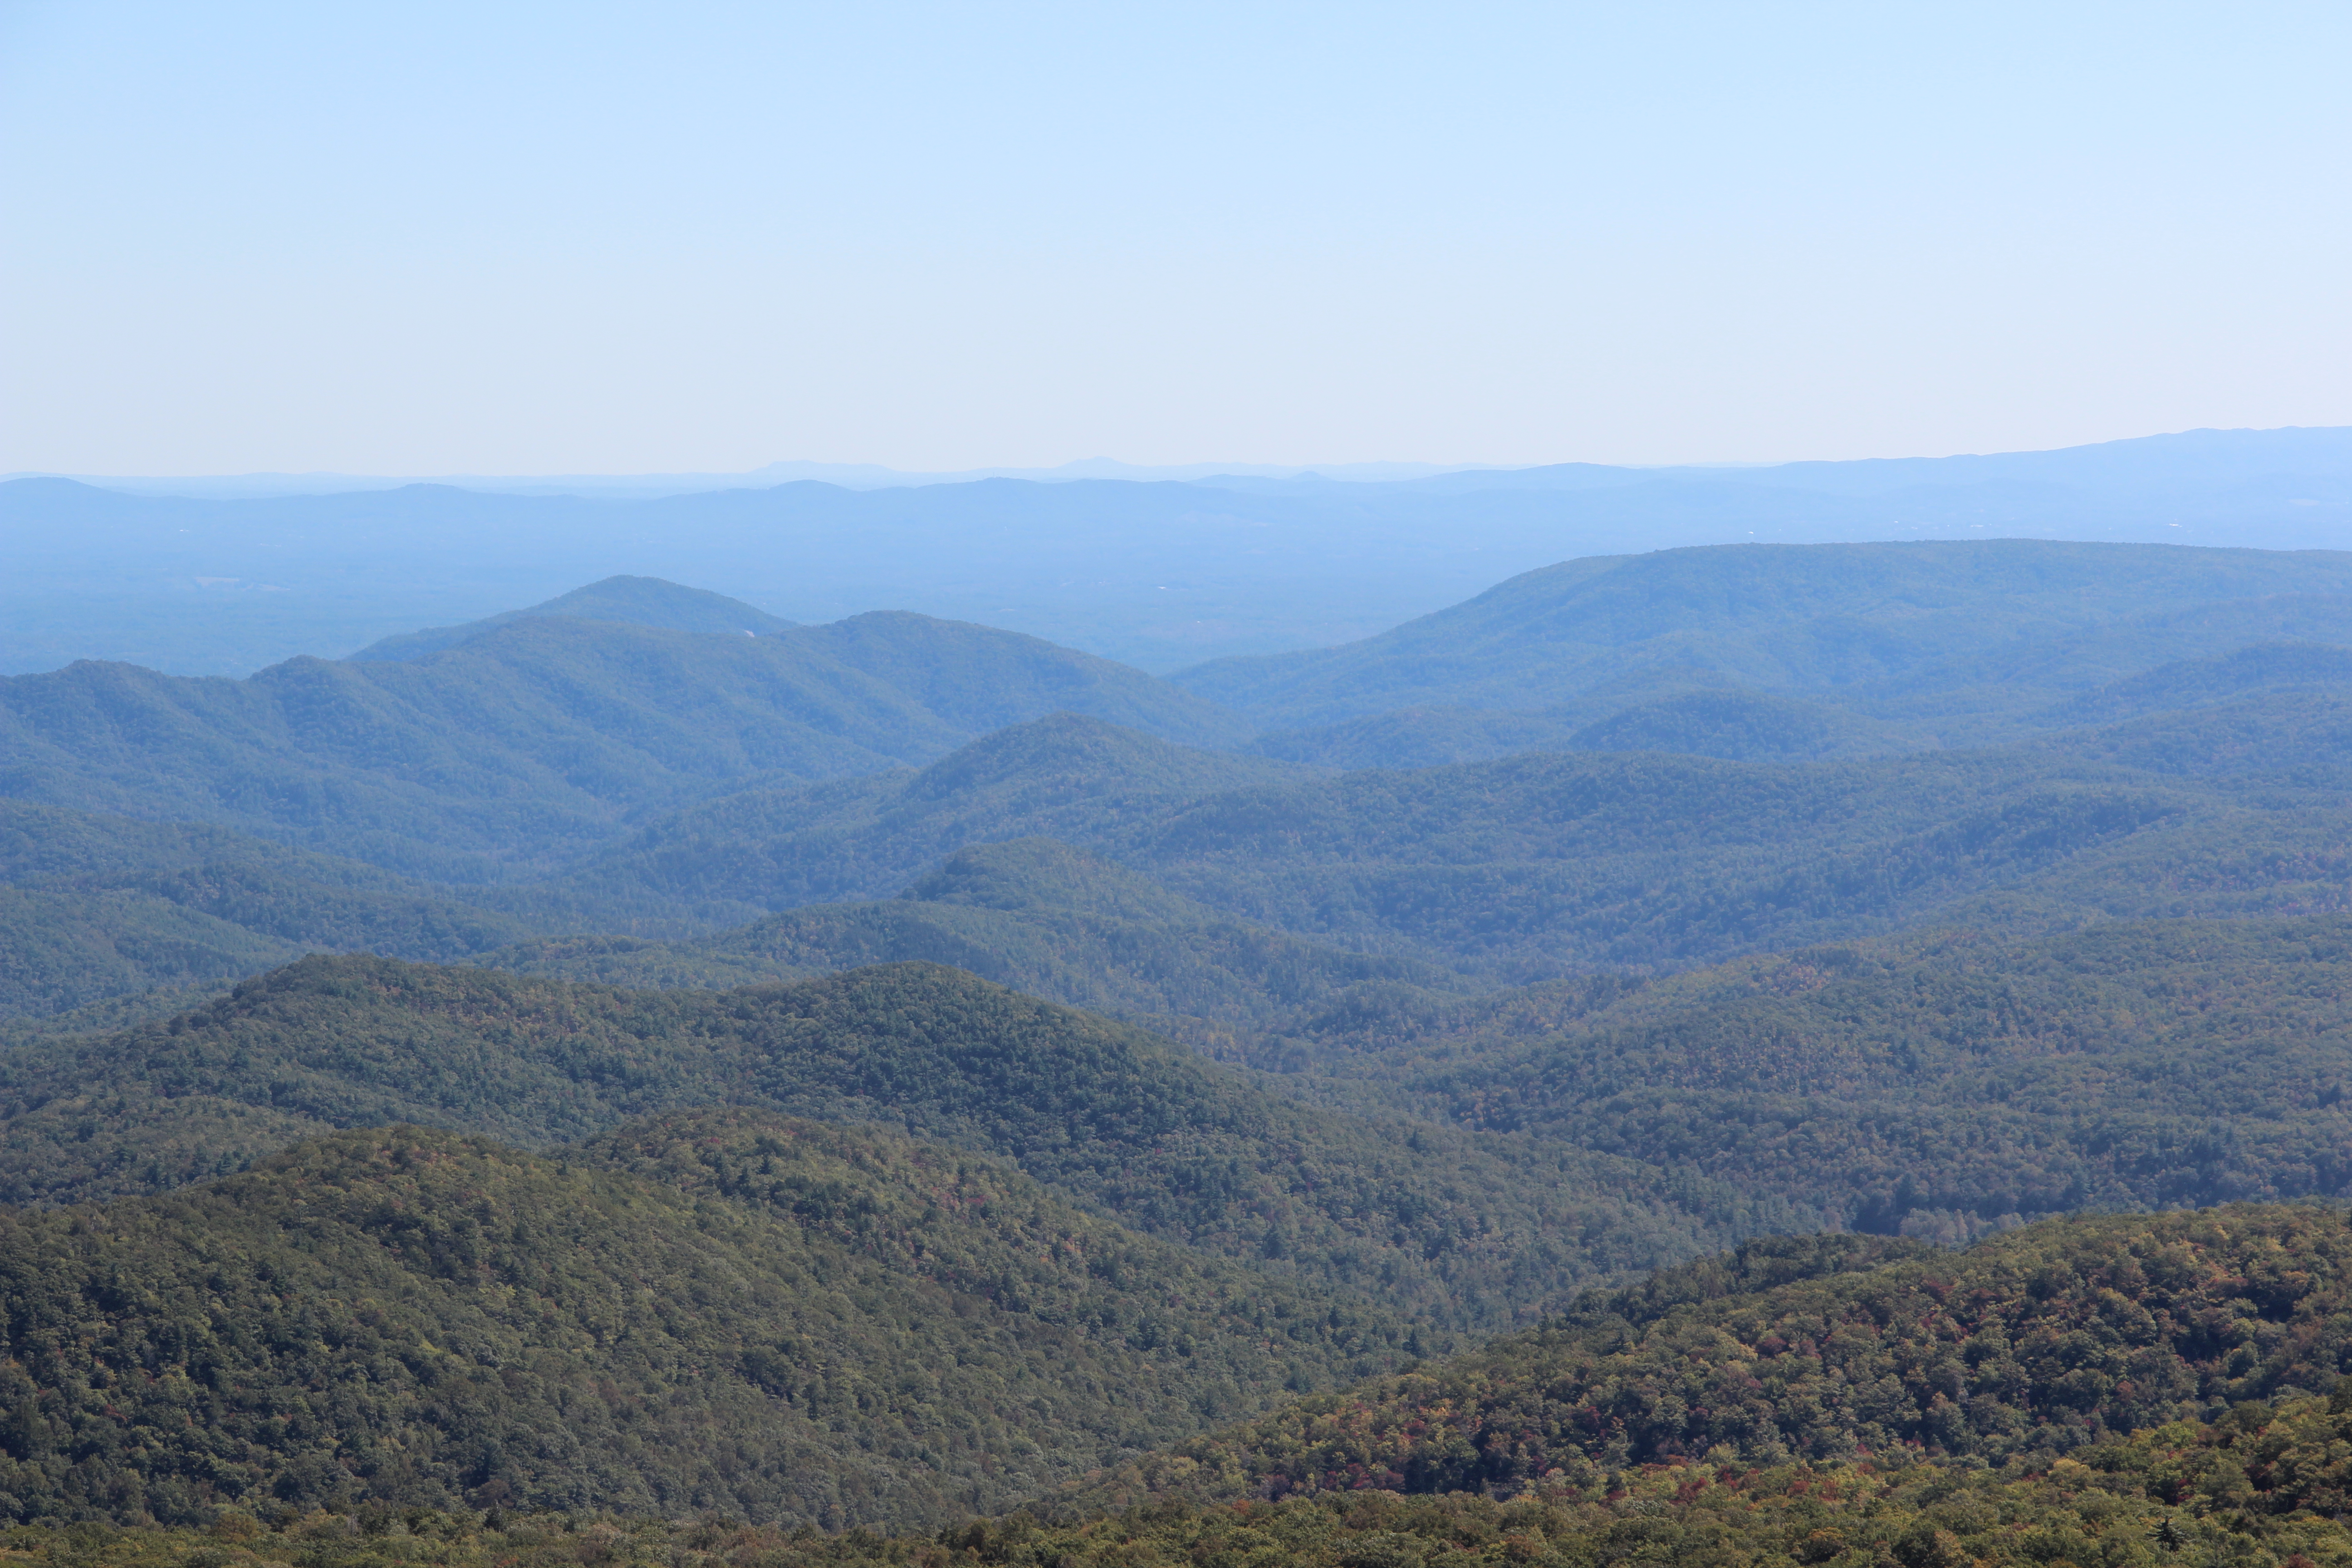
x,y
515,239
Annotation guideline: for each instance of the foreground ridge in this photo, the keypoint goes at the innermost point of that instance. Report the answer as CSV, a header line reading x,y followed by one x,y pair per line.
x,y
2057,1337
2260,1487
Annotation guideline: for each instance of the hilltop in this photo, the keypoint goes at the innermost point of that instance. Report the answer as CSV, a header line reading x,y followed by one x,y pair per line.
x,y
631,601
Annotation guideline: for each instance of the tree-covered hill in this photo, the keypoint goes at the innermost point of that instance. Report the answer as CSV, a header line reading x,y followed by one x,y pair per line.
x,y
2197,683
62,951
1885,620
1042,918
1826,1401
1544,865
723,1313
2055,1339
1690,711
1649,860
1065,777
1943,1084
631,601
96,907
542,738
1707,712
647,784
1461,1230
2265,1485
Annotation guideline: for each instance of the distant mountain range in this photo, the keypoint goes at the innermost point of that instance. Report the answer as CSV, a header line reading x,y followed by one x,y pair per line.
x,y
1161,572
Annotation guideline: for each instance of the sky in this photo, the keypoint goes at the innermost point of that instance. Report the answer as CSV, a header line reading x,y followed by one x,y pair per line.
x,y
425,238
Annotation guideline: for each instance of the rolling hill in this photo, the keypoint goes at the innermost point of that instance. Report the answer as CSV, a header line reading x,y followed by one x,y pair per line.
x,y
1457,1230
2108,1389
94,909
1537,866
1945,1084
1065,776
1952,640
723,1313
538,739
1042,918
2047,1340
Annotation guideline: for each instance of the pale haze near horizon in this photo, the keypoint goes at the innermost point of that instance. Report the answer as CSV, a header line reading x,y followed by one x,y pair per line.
x,y
583,239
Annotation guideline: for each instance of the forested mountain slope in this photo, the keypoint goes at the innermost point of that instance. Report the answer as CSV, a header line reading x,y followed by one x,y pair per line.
x,y
1065,777
1541,865
1704,713
540,738
94,908
2198,682
1939,1084
1684,711
1744,1411
716,1313
2052,1339
1458,1229
1879,626
2263,1484
1042,918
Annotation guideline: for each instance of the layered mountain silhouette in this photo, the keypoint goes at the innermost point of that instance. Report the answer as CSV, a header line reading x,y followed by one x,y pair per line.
x,y
627,601
1925,632
1541,864
881,1072
539,737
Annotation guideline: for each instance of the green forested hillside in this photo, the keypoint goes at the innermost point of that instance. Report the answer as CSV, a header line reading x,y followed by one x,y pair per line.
x,y
1815,1403
1460,1230
1705,713
2290,738
1544,865
2054,1340
1584,862
1066,777
96,907
1935,1084
60,951
2262,1486
1690,711
542,738
2121,1389
1939,1084
1042,918
2195,682
639,784
724,1313
2018,623
980,679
